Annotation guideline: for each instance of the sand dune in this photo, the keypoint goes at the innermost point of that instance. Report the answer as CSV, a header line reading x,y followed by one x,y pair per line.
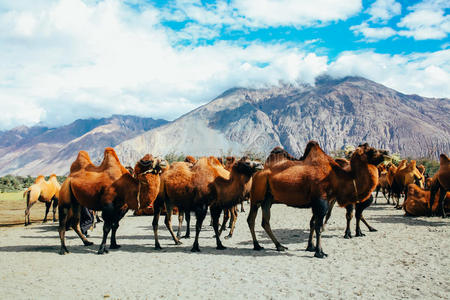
x,y
406,258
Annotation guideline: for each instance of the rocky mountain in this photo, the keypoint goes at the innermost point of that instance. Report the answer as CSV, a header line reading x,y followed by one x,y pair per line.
x,y
43,150
334,112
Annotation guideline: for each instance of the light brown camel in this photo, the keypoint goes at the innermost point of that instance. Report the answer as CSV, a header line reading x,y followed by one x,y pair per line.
x,y
441,183
313,181
383,183
85,186
418,202
402,178
43,191
189,189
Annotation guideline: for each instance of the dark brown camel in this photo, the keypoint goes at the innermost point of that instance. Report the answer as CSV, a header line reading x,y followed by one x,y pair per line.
x,y
441,183
189,189
85,186
313,181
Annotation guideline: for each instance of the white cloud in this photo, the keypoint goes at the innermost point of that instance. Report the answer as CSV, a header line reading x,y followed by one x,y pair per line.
x,y
383,10
427,20
426,74
68,59
265,13
373,33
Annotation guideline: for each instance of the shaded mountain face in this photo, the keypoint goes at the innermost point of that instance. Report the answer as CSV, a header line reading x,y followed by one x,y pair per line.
x,y
42,150
335,113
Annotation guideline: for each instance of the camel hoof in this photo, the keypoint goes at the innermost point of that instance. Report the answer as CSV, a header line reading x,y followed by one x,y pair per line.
x,y
115,246
257,247
359,234
347,235
320,254
228,236
371,229
187,236
102,250
221,247
281,248
195,249
158,247
87,243
310,248
178,242
63,251
45,221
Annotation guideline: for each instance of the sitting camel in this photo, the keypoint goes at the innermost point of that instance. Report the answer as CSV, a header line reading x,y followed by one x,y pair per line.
x,y
402,178
441,183
312,181
108,187
43,191
418,202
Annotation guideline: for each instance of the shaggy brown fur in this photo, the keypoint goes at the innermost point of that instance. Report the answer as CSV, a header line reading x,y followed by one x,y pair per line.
x,y
314,182
402,178
43,191
189,189
85,186
442,183
418,201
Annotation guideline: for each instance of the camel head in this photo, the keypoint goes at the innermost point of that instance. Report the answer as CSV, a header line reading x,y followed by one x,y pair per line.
x,y
150,164
130,170
247,166
372,155
443,160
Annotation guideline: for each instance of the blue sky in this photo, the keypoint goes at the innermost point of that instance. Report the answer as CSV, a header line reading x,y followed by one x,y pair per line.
x,y
66,59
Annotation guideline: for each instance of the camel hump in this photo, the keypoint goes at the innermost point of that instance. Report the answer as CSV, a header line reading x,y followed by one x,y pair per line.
x,y
40,178
443,159
52,175
81,162
110,152
190,159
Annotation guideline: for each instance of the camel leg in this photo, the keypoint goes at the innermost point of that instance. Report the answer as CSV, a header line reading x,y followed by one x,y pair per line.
x,y
441,206
233,220
27,213
320,208
47,209
215,215
76,224
180,222
187,215
311,247
55,205
433,190
226,216
168,222
233,213
108,217
157,212
265,207
242,206
251,224
115,226
200,214
330,209
376,193
360,207
63,212
348,216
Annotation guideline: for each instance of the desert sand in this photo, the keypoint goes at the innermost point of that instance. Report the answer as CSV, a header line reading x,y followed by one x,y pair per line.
x,y
406,258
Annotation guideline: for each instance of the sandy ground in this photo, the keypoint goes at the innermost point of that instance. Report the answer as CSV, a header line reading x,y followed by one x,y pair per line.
x,y
406,258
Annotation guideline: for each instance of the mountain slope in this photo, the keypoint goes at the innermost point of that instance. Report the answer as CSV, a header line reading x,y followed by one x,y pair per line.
x,y
333,112
42,150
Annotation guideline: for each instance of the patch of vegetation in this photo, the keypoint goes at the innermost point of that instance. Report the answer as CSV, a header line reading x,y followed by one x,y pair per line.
x,y
11,183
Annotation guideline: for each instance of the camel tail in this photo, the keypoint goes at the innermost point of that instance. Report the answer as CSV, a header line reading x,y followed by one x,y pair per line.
x,y
27,193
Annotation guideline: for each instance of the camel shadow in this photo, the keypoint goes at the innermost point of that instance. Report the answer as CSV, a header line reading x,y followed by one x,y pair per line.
x,y
47,249
408,220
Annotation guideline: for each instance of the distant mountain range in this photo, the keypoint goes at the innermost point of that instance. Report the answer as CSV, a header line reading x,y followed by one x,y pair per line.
x,y
43,150
334,112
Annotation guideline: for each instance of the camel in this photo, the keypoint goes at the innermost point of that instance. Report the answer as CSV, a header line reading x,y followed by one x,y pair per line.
x,y
402,178
358,207
441,183
190,189
86,186
383,183
229,192
314,181
43,191
418,201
